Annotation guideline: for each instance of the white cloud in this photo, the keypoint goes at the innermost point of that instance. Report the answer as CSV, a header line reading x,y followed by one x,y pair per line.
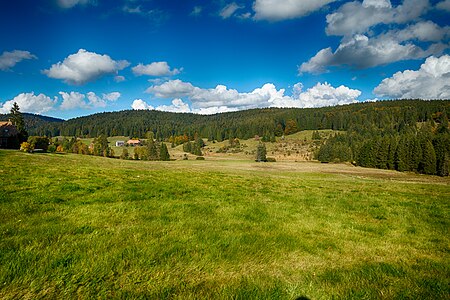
x,y
71,3
29,102
431,81
161,68
361,52
177,106
425,31
74,100
223,99
444,5
356,17
172,89
10,59
111,96
276,10
326,95
229,10
85,66
139,104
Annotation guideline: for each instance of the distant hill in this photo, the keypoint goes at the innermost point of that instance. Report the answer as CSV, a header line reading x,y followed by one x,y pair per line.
x,y
267,122
34,122
245,124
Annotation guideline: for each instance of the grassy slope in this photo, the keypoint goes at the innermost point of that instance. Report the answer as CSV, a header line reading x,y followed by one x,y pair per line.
x,y
81,226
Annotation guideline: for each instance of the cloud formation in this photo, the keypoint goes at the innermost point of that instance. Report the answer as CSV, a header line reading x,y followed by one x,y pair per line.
x,y
356,17
30,103
224,99
9,59
362,52
75,100
431,81
277,10
85,66
160,68
369,37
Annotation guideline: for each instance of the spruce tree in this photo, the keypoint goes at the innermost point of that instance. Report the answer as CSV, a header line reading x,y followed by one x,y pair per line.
x,y
18,121
152,151
428,162
164,152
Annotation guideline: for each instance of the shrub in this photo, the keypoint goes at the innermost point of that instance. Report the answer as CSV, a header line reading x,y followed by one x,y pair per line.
x,y
271,159
200,158
51,148
26,147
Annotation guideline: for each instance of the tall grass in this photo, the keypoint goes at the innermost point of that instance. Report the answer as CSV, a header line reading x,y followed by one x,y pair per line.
x,y
87,227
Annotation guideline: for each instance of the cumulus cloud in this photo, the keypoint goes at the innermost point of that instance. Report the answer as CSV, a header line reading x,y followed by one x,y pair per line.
x,y
71,3
111,96
425,31
29,102
276,10
172,89
431,81
10,59
224,99
139,104
356,17
229,10
177,106
444,5
361,52
161,68
85,66
74,100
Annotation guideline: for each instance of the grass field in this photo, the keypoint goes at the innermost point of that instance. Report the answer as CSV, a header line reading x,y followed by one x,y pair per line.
x,y
86,227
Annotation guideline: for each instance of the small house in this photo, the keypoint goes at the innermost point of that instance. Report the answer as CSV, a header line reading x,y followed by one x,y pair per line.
x,y
8,135
120,143
134,143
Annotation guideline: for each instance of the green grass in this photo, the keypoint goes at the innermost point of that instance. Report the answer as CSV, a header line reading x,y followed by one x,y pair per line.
x,y
88,227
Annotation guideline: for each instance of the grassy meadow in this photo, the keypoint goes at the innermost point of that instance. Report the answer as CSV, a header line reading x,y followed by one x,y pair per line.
x,y
77,226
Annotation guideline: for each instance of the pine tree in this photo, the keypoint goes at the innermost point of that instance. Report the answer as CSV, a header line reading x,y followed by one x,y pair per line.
x,y
152,151
261,152
428,161
164,152
18,121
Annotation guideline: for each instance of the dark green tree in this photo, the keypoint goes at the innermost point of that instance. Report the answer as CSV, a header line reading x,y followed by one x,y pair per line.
x,y
18,121
152,150
164,152
427,164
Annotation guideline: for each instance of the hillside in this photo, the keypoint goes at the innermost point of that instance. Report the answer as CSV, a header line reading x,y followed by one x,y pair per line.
x,y
247,124
36,124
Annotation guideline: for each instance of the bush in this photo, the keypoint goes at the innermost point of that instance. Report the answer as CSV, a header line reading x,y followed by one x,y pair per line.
x,y
26,147
200,158
39,142
51,148
271,159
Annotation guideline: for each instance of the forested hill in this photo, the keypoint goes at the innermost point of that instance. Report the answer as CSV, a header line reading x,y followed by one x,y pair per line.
x,y
394,115
33,122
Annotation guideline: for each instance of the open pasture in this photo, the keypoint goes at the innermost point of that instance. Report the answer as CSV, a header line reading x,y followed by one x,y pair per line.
x,y
77,226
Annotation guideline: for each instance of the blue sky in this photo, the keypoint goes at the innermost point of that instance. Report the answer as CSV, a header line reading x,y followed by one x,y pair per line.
x,y
68,58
